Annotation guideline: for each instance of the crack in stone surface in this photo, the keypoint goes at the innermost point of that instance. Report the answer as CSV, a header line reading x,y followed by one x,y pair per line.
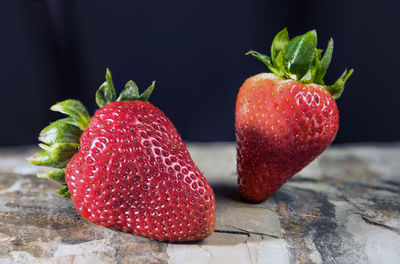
x,y
245,232
255,233
372,222
232,232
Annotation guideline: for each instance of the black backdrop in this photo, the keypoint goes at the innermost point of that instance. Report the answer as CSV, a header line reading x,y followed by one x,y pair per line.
x,y
57,49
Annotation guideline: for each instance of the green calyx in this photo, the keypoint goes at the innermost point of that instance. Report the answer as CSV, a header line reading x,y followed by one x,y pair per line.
x,y
300,59
106,93
61,139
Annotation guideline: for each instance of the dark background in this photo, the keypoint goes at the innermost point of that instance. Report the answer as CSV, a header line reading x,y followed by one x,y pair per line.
x,y
53,50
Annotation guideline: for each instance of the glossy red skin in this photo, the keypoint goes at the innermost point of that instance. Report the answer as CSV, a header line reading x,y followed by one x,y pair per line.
x,y
133,173
281,126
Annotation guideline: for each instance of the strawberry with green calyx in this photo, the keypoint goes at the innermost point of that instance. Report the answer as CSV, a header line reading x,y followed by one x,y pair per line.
x,y
286,118
127,167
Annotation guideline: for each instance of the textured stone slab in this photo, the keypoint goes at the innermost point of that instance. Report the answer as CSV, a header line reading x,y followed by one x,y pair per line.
x,y
343,208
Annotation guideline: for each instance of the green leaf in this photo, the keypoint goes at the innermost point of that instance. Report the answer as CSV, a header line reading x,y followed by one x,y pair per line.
x,y
262,57
64,192
130,93
299,53
267,61
106,93
146,94
318,53
310,75
337,88
324,65
280,64
75,109
61,151
46,159
64,130
279,43
57,175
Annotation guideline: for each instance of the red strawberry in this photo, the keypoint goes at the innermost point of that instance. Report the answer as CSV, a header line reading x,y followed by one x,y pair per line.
x,y
286,118
132,171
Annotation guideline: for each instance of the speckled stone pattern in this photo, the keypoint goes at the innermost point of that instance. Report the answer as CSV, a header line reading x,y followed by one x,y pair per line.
x,y
343,208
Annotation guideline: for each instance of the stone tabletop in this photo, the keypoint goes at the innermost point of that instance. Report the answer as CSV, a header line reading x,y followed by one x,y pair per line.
x,y
342,208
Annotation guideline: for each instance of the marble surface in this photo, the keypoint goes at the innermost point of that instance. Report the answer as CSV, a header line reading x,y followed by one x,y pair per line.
x,y
342,208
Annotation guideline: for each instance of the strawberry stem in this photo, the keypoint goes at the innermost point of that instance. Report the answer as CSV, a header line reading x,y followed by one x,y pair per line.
x,y
300,59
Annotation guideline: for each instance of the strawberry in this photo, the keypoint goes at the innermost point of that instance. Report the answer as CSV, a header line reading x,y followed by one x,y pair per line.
x,y
127,167
286,118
